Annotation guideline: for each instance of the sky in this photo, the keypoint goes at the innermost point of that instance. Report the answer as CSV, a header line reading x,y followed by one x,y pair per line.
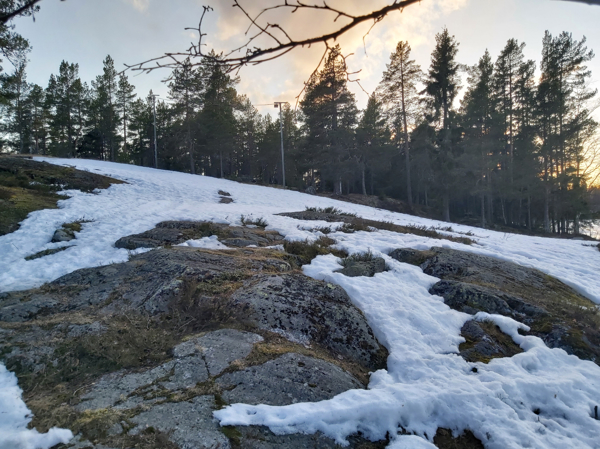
x,y
132,31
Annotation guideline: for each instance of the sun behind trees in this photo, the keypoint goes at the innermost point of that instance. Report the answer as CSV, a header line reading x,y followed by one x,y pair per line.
x,y
515,152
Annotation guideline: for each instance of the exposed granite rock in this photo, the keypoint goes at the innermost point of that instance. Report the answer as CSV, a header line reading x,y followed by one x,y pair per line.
x,y
286,380
148,282
308,311
485,341
79,330
473,282
189,424
176,232
239,243
411,256
471,298
195,361
355,268
219,348
139,354
13,309
147,396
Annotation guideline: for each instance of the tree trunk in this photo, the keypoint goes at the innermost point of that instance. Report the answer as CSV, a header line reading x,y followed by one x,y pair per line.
x,y
529,225
364,187
446,205
337,187
221,163
547,210
483,209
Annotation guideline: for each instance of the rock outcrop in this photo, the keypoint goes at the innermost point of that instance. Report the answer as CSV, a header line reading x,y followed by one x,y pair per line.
x,y
170,233
139,354
472,283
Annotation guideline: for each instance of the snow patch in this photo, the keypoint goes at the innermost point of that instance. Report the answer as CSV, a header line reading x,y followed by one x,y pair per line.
x,y
211,242
15,416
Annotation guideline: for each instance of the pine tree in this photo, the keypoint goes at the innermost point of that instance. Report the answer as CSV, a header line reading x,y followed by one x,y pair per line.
x,y
38,119
562,97
141,133
185,90
330,115
13,47
480,123
373,137
399,94
106,118
247,138
16,92
64,98
442,87
217,119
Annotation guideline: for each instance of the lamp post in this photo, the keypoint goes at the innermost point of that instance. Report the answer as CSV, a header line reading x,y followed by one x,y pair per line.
x,y
279,104
155,145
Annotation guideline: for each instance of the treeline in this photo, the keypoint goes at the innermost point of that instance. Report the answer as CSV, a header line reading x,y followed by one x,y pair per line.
x,y
514,151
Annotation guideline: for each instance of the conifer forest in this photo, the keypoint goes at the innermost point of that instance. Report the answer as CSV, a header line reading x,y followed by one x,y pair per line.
x,y
507,142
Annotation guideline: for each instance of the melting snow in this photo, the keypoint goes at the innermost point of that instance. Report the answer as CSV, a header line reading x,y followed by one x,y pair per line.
x,y
426,386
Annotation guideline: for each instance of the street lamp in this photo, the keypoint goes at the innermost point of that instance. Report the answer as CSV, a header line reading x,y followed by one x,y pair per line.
x,y
154,110
279,104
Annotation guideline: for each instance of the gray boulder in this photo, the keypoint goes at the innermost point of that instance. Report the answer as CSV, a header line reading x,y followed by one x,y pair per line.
x,y
63,235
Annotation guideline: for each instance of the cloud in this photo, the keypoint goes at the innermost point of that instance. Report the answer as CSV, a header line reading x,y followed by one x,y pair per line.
x,y
140,5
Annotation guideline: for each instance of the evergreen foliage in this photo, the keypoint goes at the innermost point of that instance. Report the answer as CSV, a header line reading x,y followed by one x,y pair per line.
x,y
517,151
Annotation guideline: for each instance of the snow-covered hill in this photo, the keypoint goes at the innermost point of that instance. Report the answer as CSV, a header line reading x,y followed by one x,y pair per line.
x,y
426,385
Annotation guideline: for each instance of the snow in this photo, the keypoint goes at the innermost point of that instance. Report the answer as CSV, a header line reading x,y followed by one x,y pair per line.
x,y
211,242
14,417
426,385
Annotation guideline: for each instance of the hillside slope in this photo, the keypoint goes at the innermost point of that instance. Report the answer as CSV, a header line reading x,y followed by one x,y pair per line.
x,y
540,397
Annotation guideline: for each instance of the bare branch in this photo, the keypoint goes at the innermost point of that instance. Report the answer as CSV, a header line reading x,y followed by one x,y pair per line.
x,y
233,60
27,7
